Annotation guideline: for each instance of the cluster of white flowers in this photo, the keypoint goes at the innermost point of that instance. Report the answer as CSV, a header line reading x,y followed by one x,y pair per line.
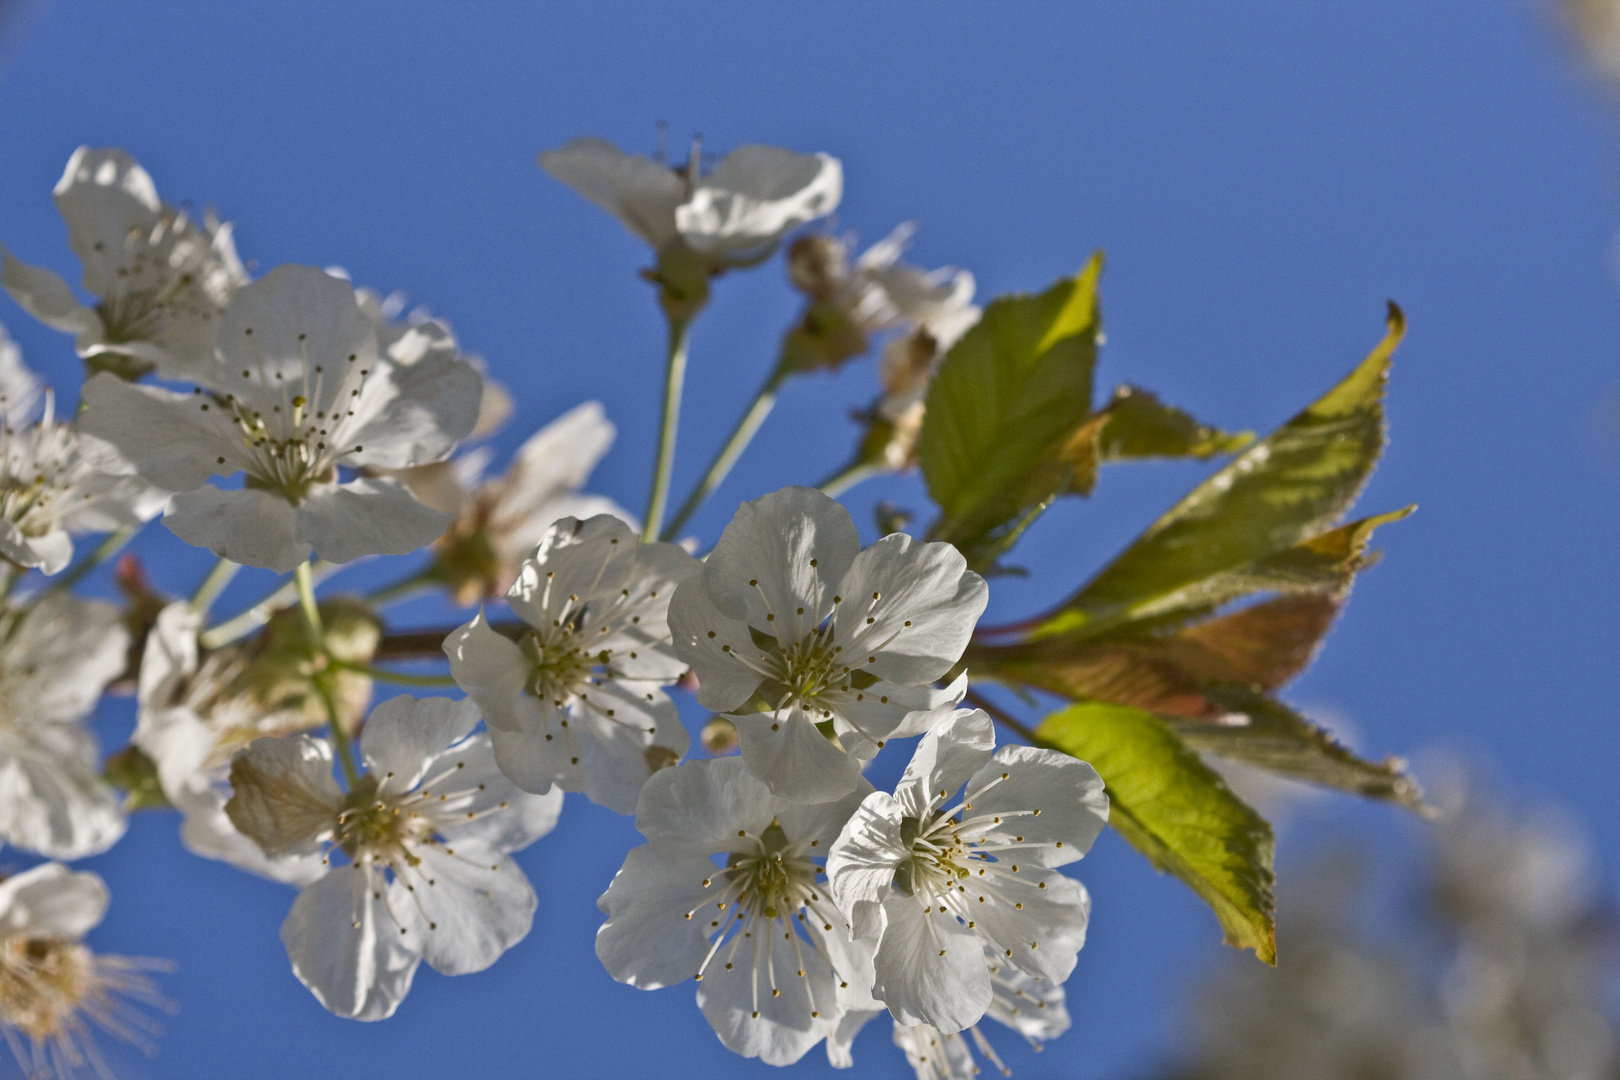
x,y
801,900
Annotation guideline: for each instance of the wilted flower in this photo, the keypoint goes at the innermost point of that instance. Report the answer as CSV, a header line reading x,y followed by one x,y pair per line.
x,y
932,887
297,393
196,710
55,659
161,281
55,482
578,700
775,966
425,832
848,302
820,652
53,989
499,521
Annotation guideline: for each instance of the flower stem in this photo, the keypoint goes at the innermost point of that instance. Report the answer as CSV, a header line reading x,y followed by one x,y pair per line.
x,y
741,435
674,383
399,678
306,600
340,738
214,584
847,477
105,550
256,616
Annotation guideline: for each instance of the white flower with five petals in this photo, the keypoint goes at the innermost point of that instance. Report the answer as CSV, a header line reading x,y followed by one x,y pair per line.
x,y
426,833
577,701
735,215
818,651
726,891
296,394
54,481
160,280
931,886
55,660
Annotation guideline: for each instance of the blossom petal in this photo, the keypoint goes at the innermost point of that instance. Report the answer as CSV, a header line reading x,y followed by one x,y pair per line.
x,y
46,297
403,736
615,751
753,1021
929,603
699,807
500,814
345,947
251,527
1037,918
1067,792
170,653
930,968
641,193
52,797
433,406
104,196
794,758
294,313
704,638
552,462
842,1038
285,798
469,904
493,671
60,658
51,901
861,863
950,753
756,194
168,437
794,545
576,563
373,515
648,941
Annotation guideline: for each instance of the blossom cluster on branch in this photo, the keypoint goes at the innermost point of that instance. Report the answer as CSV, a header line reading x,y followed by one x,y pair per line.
x,y
296,423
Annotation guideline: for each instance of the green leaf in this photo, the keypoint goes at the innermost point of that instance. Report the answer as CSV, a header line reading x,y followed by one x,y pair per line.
x,y
1142,426
1277,495
1002,434
1178,812
1277,739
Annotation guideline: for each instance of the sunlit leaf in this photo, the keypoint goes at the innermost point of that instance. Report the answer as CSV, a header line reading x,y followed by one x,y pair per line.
x,y
1003,432
1142,426
1280,494
1178,812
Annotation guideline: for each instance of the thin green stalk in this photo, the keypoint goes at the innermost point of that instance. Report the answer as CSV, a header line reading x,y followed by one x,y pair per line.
x,y
402,589
399,678
306,601
674,383
340,738
847,477
214,584
246,622
105,550
741,436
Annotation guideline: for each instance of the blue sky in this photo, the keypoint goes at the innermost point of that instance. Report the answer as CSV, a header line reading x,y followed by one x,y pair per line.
x,y
1262,176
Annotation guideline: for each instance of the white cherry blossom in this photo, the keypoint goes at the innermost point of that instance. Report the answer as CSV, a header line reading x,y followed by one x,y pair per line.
x,y
426,833
297,394
55,482
726,891
500,520
53,989
55,660
161,281
191,719
818,651
735,215
932,886
577,701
